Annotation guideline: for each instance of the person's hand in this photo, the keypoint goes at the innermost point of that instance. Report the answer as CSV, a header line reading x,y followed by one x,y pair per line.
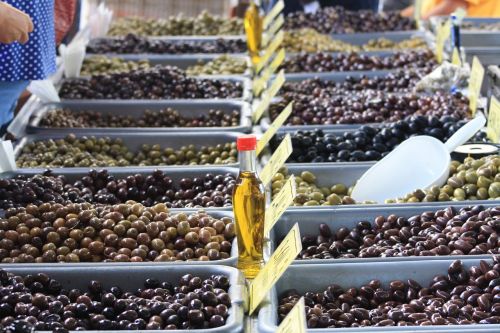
x,y
14,25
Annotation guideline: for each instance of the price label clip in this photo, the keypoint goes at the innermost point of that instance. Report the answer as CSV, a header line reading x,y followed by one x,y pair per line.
x,y
295,320
264,103
475,82
277,160
493,126
271,131
284,255
281,202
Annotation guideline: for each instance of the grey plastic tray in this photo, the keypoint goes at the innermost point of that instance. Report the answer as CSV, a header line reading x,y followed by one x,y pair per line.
x,y
132,279
136,109
317,277
396,36
245,96
328,174
134,141
310,219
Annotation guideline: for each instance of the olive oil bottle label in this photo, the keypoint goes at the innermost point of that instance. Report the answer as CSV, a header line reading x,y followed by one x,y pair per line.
x,y
277,123
272,31
260,83
475,82
270,50
295,320
275,11
277,160
493,126
281,202
284,255
268,95
455,58
442,34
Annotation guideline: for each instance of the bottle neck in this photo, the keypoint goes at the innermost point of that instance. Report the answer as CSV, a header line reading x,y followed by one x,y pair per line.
x,y
247,160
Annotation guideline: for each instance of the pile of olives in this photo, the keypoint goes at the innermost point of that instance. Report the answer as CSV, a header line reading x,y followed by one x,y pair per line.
x,y
370,240
399,81
37,302
369,107
223,65
128,232
104,65
149,189
342,62
133,44
368,143
103,151
457,296
481,26
338,20
467,181
163,118
310,40
159,82
205,24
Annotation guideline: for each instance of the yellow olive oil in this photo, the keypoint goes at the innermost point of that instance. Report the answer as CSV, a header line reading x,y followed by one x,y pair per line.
x,y
253,29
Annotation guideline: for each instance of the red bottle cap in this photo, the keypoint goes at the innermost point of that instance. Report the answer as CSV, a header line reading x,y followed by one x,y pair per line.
x,y
246,142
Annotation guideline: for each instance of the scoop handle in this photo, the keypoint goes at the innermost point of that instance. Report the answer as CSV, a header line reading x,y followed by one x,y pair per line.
x,y
465,132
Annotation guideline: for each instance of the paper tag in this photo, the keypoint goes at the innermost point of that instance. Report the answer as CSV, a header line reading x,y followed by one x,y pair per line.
x,y
270,50
268,96
277,160
284,255
493,126
273,30
295,320
277,123
260,83
442,34
475,82
275,11
281,202
455,58
417,11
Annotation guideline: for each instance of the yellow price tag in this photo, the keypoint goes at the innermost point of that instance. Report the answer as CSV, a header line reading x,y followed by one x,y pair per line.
x,y
493,126
258,85
455,58
417,11
281,202
268,96
475,82
277,123
270,50
284,255
295,320
443,33
275,11
268,35
279,158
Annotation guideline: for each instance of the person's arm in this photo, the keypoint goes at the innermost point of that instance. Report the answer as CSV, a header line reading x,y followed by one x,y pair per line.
x,y
14,25
445,7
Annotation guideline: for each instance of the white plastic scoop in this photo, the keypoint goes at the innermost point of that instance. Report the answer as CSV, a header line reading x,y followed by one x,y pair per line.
x,y
418,163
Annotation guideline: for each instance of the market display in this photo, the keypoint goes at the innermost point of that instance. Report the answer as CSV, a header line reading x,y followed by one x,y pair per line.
x,y
371,107
337,20
474,179
103,65
163,82
198,173
204,24
344,62
153,305
459,296
119,233
91,151
310,40
98,186
62,118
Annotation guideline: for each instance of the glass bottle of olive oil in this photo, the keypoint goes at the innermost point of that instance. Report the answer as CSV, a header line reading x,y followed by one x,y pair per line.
x,y
253,29
249,209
